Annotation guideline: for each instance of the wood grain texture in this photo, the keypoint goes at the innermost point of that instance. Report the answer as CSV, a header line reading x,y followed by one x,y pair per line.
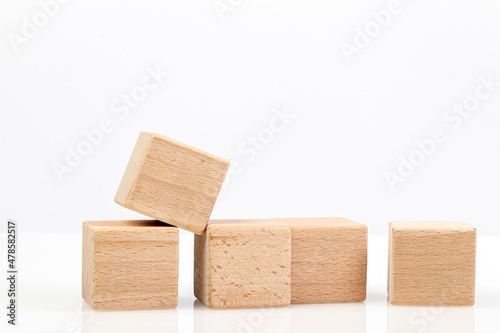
x,y
243,264
432,263
172,182
130,265
329,260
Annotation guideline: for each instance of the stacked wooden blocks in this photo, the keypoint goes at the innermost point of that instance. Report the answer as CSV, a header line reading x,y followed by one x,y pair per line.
x,y
131,265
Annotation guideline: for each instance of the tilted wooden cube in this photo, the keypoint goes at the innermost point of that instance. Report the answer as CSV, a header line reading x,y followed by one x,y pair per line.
x,y
329,259
130,265
242,264
432,263
172,182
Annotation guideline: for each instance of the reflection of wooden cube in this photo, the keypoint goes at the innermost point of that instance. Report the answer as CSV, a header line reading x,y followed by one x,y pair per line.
x,y
328,260
129,265
126,321
332,318
271,320
243,263
429,319
172,182
432,263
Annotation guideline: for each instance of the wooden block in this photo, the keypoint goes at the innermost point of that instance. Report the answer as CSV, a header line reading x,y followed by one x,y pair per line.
x,y
242,264
130,265
432,263
328,260
172,182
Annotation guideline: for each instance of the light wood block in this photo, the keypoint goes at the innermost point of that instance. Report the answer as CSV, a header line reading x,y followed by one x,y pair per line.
x,y
243,264
329,259
432,263
130,265
172,182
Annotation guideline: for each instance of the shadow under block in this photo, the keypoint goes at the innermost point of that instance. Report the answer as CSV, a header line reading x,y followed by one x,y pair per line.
x,y
329,259
432,263
130,265
172,182
243,264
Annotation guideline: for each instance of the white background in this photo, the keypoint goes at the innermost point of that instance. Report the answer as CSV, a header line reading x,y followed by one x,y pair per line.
x,y
229,75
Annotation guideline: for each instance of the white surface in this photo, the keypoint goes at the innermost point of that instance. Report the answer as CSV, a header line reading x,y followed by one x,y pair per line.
x,y
50,301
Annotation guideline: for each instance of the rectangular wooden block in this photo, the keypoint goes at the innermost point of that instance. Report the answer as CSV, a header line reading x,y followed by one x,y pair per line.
x,y
242,264
329,259
130,265
432,263
172,182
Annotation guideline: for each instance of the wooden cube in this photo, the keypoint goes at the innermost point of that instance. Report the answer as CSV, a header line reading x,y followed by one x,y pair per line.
x,y
242,264
130,265
432,263
328,260
172,182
